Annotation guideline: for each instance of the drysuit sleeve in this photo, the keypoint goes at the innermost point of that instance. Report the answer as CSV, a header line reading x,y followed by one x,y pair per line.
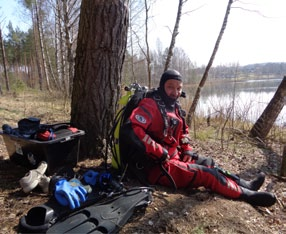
x,y
142,127
185,143
187,153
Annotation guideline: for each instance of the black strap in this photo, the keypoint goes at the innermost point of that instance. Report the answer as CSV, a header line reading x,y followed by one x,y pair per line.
x,y
56,126
167,174
162,108
182,114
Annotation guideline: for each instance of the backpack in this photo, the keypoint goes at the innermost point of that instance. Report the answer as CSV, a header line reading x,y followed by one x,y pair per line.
x,y
135,93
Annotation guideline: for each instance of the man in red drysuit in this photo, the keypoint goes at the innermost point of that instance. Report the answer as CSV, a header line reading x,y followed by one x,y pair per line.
x,y
156,132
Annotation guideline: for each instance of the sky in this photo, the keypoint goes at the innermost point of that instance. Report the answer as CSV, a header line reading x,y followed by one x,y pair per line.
x,y
11,11
254,35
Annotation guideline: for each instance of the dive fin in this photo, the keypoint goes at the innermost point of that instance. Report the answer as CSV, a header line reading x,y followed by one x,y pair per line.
x,y
107,217
41,217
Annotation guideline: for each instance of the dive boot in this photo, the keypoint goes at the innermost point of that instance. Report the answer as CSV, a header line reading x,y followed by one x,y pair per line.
x,y
33,177
254,184
254,198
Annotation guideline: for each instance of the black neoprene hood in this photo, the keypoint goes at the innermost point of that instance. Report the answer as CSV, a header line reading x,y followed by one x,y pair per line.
x,y
170,74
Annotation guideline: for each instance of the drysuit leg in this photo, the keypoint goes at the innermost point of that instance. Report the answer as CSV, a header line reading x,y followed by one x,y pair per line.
x,y
212,179
193,175
254,184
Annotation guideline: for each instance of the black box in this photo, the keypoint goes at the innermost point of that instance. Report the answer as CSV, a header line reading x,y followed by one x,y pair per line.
x,y
60,152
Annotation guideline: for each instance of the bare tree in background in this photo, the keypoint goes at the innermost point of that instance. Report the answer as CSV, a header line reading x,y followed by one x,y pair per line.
x,y
99,60
39,30
55,28
4,64
265,122
66,21
37,15
37,53
136,36
208,67
174,34
134,47
148,59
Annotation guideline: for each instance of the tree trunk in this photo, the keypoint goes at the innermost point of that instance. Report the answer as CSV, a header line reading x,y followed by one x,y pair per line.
x,y
98,64
4,64
41,43
148,59
265,122
208,67
39,68
174,35
68,46
59,47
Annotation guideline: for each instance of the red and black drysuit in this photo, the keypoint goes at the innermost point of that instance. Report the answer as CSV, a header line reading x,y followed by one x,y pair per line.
x,y
145,134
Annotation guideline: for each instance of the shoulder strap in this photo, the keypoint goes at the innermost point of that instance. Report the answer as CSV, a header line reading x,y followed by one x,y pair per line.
x,y
182,114
162,108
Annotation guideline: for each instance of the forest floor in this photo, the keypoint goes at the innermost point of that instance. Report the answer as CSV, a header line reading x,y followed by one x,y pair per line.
x,y
184,211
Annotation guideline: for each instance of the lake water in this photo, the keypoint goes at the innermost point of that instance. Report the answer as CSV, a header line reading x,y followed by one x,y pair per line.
x,y
248,99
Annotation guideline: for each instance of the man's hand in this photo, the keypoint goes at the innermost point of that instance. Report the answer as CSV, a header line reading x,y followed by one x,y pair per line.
x,y
165,157
185,141
188,156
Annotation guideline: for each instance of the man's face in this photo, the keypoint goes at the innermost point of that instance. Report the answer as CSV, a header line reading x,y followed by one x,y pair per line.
x,y
173,88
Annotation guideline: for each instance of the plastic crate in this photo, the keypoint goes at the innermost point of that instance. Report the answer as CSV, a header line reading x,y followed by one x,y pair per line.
x,y
60,152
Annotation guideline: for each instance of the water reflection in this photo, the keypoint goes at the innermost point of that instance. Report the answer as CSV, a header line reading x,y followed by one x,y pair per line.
x,y
248,98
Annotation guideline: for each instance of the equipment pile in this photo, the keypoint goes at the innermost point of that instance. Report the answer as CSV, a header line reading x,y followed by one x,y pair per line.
x,y
92,201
